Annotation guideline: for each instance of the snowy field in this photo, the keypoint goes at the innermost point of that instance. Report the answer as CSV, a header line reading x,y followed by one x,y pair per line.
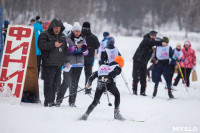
x,y
143,114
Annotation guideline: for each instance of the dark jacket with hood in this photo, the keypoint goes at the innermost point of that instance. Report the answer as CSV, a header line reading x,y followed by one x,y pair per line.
x,y
92,44
51,55
144,51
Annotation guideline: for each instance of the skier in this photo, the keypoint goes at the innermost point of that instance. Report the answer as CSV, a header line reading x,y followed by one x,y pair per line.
x,y
103,45
140,60
110,52
106,81
163,53
173,65
190,63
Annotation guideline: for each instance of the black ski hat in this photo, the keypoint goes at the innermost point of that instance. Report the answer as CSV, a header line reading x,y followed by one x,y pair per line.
x,y
86,24
153,32
105,34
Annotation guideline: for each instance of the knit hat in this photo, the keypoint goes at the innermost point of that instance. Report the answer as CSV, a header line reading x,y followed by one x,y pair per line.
x,y
76,26
187,43
105,34
165,39
38,19
111,41
86,25
178,45
6,23
119,60
153,32
68,27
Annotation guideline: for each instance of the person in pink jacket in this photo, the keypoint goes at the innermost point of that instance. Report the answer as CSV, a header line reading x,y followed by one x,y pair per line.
x,y
187,64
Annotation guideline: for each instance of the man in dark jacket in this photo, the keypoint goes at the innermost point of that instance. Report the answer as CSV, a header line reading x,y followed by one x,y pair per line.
x,y
92,44
52,44
140,60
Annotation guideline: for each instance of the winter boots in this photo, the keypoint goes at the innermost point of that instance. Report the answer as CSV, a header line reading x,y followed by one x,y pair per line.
x,y
170,93
134,89
155,92
118,116
143,89
142,92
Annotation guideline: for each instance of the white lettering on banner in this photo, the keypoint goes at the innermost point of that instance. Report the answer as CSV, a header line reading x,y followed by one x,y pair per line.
x,y
184,129
162,52
15,61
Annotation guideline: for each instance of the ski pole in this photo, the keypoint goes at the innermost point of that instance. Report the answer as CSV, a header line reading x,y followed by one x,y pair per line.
x,y
88,94
67,96
182,77
109,104
126,82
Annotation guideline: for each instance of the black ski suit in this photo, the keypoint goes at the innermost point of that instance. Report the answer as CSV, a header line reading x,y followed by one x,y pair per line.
x,y
111,87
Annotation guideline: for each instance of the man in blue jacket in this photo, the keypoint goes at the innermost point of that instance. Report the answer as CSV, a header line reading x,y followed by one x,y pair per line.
x,y
38,29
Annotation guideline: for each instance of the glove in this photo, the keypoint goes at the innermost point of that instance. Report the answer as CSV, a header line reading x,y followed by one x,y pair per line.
x,y
104,79
175,59
84,50
194,68
182,60
71,49
88,86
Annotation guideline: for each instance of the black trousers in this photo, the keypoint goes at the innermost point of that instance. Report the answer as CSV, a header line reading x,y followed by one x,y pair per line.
x,y
139,74
99,91
75,74
88,67
166,73
186,73
52,79
39,60
63,87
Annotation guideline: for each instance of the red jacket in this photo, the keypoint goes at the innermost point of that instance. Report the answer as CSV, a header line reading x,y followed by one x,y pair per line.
x,y
189,57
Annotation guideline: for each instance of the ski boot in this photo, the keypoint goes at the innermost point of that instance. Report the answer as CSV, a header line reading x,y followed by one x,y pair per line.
x,y
83,117
118,116
58,104
88,91
72,105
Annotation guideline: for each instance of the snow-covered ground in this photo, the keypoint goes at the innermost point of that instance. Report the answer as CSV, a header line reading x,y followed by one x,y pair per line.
x,y
159,114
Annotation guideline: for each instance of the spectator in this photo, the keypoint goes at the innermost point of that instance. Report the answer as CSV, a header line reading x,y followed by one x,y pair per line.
x,y
92,45
140,60
52,44
32,21
188,64
38,29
